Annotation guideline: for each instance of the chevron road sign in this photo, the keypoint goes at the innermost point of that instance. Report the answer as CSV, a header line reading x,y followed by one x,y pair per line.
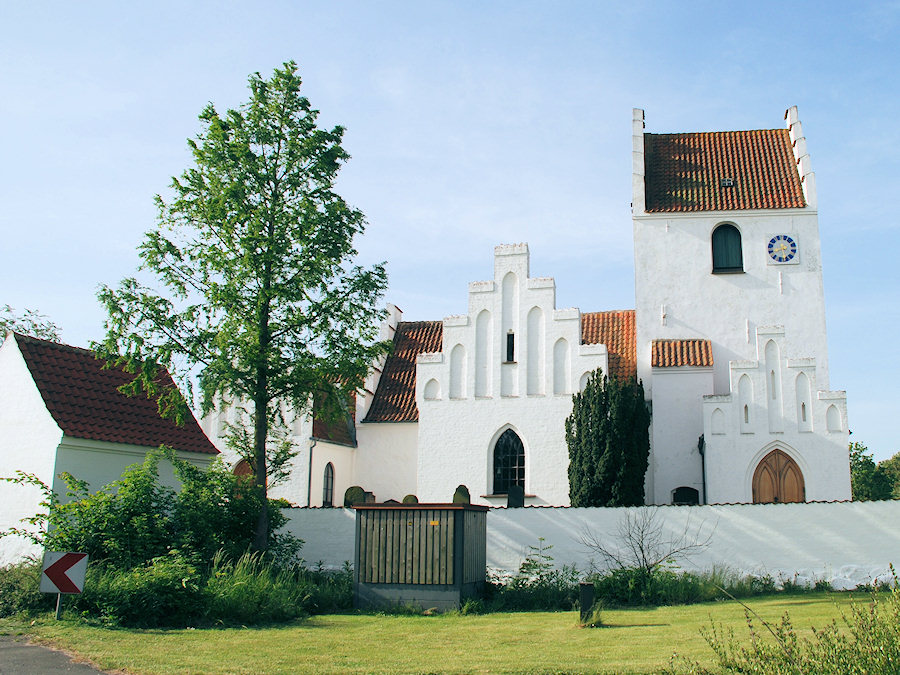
x,y
63,572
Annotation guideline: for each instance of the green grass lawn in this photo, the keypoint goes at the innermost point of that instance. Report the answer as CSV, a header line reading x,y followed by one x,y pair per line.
x,y
632,641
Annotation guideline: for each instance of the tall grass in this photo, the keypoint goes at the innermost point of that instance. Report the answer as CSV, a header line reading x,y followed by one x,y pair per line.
x,y
866,641
176,591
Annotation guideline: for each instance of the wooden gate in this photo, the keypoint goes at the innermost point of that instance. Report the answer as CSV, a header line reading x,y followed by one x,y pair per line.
x,y
778,479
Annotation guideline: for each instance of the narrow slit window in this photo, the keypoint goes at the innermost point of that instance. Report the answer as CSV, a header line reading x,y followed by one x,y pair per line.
x,y
510,347
328,485
746,415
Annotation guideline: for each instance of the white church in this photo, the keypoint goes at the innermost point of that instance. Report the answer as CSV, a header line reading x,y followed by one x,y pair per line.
x,y
728,337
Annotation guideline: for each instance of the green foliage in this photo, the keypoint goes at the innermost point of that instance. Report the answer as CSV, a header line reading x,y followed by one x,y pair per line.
x,y
166,591
174,591
609,443
865,642
890,469
410,499
19,589
251,591
136,518
29,322
354,495
538,585
461,495
254,251
868,481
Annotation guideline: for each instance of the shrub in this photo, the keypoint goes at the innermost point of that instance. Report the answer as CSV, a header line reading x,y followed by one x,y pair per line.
x,y
166,591
136,518
538,585
19,592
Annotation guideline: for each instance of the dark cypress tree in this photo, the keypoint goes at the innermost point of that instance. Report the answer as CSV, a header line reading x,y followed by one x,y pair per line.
x,y
609,443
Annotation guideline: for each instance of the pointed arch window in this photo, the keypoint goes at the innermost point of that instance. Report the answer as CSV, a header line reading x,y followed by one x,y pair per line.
x,y
509,462
727,256
328,485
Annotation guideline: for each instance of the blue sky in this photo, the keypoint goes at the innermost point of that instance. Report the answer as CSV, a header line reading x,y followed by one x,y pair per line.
x,y
470,124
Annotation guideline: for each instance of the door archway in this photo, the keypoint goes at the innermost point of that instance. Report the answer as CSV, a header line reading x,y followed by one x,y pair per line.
x,y
778,479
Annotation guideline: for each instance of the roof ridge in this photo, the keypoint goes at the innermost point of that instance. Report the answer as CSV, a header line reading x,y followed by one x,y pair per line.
x,y
53,343
722,131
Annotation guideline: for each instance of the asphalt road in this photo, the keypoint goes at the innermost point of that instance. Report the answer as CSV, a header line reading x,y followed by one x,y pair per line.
x,y
17,657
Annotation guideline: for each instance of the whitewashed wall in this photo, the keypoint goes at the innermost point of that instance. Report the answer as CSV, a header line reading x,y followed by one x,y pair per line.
x,y
844,543
28,443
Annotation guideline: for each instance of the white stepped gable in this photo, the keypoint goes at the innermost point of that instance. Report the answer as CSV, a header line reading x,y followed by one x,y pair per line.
x,y
511,362
775,404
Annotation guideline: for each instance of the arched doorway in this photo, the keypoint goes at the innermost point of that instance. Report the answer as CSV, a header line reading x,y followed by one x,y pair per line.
x,y
778,479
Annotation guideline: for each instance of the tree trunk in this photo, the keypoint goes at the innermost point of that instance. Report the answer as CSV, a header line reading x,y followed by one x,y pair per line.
x,y
261,429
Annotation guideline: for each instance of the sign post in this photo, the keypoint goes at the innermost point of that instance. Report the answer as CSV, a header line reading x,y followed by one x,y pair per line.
x,y
63,573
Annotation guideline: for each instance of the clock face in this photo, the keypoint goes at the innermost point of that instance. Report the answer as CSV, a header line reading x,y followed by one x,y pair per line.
x,y
782,248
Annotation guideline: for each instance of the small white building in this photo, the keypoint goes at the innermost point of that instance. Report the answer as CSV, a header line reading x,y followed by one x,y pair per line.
x,y
60,411
728,337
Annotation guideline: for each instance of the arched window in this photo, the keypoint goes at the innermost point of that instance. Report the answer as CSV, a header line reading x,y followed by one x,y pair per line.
x,y
509,462
726,250
328,486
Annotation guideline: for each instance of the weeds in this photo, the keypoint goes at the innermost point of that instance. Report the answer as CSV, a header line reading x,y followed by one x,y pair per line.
x,y
866,642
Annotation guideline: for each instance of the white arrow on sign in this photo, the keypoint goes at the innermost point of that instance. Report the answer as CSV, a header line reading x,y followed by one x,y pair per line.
x,y
63,572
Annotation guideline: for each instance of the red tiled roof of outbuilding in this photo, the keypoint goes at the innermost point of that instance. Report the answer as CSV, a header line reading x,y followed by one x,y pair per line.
x,y
684,172
615,330
83,399
674,353
395,399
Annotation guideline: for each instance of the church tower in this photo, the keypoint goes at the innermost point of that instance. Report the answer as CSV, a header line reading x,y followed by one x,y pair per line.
x,y
729,293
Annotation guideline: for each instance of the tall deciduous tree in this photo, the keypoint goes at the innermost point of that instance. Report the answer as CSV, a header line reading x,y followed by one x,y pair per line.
x,y
869,481
260,298
609,443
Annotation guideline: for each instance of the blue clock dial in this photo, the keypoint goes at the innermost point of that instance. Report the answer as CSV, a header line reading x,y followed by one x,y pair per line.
x,y
782,248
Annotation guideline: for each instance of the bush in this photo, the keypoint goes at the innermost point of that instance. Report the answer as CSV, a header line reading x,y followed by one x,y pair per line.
x,y
19,590
136,518
174,591
538,585
166,591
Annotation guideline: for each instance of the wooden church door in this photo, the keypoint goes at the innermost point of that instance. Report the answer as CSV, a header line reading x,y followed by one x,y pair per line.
x,y
778,479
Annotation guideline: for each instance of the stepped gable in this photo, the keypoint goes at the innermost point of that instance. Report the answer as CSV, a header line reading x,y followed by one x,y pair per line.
x,y
616,330
83,399
395,398
685,172
674,353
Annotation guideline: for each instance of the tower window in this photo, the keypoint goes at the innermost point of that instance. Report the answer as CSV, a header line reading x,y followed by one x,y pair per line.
x,y
726,250
510,347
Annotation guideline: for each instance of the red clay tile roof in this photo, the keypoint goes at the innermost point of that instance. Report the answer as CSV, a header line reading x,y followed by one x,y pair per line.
x,y
616,331
395,399
684,171
83,399
672,353
336,431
